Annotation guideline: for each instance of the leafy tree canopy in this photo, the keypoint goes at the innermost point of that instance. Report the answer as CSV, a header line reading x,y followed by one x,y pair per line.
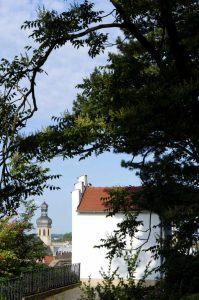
x,y
62,237
120,106
144,102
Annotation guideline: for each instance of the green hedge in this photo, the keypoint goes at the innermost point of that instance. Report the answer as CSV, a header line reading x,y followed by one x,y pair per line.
x,y
191,297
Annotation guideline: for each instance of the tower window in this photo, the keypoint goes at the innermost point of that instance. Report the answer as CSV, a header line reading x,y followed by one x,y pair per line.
x,y
48,232
44,232
39,232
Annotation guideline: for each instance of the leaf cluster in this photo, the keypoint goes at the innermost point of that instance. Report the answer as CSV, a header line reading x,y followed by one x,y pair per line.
x,y
22,180
52,28
20,249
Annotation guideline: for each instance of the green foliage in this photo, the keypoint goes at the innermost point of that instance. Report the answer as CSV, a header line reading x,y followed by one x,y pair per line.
x,y
191,297
67,236
18,100
181,274
63,237
144,102
20,250
88,291
114,287
53,29
23,179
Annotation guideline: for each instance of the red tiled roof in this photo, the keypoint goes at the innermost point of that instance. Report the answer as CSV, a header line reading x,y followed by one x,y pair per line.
x,y
48,259
93,198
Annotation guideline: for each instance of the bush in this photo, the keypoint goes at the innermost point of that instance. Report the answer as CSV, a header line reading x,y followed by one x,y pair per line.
x,y
182,275
114,287
191,297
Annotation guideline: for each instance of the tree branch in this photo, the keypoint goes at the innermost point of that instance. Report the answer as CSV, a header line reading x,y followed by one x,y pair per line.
x,y
136,32
94,28
172,33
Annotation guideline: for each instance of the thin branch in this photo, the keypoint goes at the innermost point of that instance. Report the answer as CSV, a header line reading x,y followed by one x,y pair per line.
x,y
108,14
149,234
91,29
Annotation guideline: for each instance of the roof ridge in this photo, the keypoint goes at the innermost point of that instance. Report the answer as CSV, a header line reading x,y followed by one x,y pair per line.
x,y
114,186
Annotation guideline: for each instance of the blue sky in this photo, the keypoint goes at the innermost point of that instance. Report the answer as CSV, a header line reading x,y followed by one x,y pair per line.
x,y
55,93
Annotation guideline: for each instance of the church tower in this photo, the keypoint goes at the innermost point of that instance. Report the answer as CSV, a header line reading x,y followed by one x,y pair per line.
x,y
44,225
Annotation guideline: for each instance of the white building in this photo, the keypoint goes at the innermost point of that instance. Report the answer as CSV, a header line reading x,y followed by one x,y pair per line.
x,y
90,225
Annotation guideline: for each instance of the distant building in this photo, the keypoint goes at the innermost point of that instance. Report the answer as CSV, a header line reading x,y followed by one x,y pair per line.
x,y
44,224
90,225
57,250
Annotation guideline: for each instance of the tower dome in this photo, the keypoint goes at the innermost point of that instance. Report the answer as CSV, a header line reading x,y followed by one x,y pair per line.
x,y
44,220
44,225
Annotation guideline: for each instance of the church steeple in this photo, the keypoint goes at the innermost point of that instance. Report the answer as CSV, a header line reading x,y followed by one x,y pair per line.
x,y
44,225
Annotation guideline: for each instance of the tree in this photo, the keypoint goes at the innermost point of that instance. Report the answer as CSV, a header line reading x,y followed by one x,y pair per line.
x,y
144,102
22,179
63,237
159,63
20,250
66,237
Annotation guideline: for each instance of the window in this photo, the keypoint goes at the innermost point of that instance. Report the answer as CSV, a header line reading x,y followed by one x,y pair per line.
x,y
44,232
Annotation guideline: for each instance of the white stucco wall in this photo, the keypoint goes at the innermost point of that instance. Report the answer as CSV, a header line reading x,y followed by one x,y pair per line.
x,y
45,238
87,230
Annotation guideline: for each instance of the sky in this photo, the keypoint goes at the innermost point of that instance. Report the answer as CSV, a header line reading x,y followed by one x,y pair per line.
x,y
55,94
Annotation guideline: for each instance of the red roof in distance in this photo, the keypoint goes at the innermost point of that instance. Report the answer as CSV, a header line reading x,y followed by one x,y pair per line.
x,y
93,199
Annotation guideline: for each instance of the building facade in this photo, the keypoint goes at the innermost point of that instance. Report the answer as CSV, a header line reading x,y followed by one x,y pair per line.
x,y
90,225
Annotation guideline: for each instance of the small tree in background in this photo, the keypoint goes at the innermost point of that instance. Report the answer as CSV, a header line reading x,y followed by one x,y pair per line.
x,y
20,250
